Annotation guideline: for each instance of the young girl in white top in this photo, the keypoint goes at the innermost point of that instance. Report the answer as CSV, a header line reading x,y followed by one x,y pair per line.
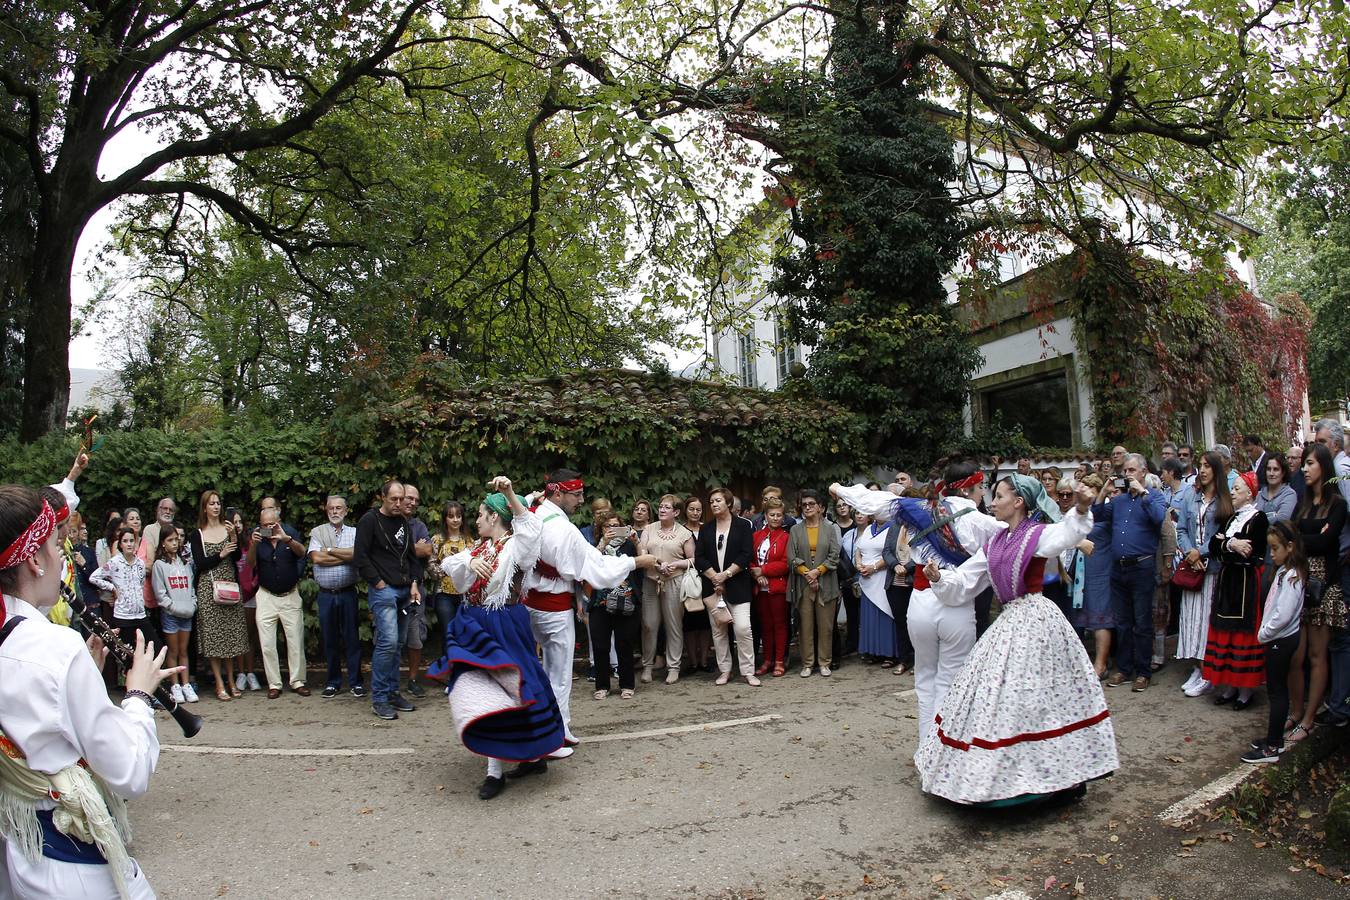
x,y
1279,632
171,580
124,575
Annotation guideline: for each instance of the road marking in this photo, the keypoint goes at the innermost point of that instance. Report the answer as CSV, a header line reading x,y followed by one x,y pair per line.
x,y
679,729
903,694
1181,811
282,751
1010,894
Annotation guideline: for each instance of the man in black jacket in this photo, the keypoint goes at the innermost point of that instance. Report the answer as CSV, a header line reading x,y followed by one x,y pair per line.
x,y
384,556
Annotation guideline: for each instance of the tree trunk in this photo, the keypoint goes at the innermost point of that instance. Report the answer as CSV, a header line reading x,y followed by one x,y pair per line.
x,y
46,346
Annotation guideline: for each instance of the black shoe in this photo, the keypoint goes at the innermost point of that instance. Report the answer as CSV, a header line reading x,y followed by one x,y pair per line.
x,y
398,703
358,691
491,787
590,673
1260,743
1240,704
538,767
1224,699
1329,718
329,692
416,689
1262,754
384,711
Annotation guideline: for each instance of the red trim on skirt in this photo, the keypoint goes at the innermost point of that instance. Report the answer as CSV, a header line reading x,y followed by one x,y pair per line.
x,y
1019,738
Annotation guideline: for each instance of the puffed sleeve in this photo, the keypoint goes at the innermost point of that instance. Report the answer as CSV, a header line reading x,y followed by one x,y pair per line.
x,y
1065,534
456,568
119,743
958,586
876,504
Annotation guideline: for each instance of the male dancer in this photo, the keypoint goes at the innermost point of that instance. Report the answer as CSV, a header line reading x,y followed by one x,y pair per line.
x,y
946,530
565,559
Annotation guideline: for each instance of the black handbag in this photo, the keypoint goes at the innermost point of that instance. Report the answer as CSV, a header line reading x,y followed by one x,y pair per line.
x,y
1313,593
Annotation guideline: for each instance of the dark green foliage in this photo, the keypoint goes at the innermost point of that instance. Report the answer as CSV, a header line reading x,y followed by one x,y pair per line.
x,y
878,230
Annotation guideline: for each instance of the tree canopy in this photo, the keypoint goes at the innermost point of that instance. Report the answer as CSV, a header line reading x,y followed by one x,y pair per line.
x,y
592,159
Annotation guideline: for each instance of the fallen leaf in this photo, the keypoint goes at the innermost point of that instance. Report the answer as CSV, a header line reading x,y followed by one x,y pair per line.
x,y
998,882
1175,759
222,890
1189,842
1295,869
1079,887
937,879
365,810
1305,813
1261,845
314,843
1051,882
1103,860
867,879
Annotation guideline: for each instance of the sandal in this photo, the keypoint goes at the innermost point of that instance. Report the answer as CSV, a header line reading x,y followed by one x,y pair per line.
x,y
224,695
600,695
1296,734
626,694
779,671
901,669
235,692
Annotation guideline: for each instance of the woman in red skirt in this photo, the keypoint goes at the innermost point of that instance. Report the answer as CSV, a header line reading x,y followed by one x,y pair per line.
x,y
1234,660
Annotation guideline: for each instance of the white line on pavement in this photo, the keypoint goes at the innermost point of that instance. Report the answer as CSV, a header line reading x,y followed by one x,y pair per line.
x,y
679,729
281,751
1181,811
1009,894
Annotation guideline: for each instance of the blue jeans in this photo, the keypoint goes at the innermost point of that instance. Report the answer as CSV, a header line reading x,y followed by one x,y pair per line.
x,y
337,623
384,603
1338,655
446,605
1132,601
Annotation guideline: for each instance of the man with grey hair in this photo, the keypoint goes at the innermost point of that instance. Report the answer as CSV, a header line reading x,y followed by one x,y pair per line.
x,y
1134,518
330,550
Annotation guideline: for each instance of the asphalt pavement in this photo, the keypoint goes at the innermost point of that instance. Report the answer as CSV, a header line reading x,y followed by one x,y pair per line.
x,y
799,788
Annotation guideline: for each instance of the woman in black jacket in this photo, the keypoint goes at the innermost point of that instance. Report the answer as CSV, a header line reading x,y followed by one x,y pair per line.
x,y
722,555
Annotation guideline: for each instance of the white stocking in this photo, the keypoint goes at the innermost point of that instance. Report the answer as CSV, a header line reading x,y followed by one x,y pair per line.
x,y
494,768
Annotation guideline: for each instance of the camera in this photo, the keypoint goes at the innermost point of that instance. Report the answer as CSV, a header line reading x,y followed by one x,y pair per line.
x,y
1121,483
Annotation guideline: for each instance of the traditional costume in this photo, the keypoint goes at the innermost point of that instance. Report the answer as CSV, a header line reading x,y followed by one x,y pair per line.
x,y
876,626
1026,716
946,532
500,698
65,768
1233,655
564,559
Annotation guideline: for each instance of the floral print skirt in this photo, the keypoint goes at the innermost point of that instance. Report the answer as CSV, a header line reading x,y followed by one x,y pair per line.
x,y
1026,715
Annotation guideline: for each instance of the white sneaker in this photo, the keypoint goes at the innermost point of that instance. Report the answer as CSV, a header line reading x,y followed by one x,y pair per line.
x,y
561,753
825,672
1190,682
240,683
1199,689
253,682
176,692
806,671
189,694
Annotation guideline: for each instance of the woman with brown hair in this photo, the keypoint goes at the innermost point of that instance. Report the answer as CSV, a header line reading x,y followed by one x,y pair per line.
x,y
662,603
697,628
222,630
1202,507
722,554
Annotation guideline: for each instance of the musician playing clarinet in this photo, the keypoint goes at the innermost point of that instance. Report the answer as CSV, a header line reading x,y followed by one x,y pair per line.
x,y
69,757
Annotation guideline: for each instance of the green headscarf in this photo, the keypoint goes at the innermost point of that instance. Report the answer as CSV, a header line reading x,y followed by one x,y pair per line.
x,y
497,503
1033,493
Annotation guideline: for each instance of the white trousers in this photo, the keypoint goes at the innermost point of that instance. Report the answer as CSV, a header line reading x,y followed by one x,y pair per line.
x,y
663,604
556,633
745,642
24,879
943,637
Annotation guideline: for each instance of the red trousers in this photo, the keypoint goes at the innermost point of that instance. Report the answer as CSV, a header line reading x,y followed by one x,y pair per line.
x,y
772,610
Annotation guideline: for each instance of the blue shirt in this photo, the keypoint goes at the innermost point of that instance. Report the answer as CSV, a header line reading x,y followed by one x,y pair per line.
x,y
1134,522
278,566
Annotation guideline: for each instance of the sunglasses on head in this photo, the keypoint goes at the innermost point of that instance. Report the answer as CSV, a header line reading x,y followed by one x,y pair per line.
x,y
720,539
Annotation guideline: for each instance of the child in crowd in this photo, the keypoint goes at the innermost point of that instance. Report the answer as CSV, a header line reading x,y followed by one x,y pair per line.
x,y
1279,633
171,580
123,575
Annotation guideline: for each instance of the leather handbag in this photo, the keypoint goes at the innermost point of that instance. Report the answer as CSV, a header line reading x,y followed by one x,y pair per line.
x,y
1187,577
226,593
718,611
691,589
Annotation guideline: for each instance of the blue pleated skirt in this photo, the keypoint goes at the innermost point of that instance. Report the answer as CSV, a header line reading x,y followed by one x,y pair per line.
x,y
876,632
500,698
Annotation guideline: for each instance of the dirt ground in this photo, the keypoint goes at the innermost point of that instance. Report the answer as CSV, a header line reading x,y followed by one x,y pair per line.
x,y
820,801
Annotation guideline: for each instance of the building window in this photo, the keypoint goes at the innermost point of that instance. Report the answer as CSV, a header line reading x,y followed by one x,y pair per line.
x,y
745,357
785,351
1039,405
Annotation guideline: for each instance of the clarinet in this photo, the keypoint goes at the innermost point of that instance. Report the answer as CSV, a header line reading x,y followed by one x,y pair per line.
x,y
190,722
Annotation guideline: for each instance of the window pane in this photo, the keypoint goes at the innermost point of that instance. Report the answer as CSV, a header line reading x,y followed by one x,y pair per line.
x,y
1040,406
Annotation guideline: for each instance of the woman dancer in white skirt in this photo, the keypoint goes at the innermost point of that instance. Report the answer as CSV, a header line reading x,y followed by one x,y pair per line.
x,y
1026,717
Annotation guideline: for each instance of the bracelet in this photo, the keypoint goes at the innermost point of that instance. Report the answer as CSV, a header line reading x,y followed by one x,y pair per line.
x,y
142,695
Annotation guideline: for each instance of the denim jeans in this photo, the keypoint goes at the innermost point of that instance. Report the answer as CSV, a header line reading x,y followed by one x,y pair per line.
x,y
384,603
446,605
341,635
1132,601
1338,654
